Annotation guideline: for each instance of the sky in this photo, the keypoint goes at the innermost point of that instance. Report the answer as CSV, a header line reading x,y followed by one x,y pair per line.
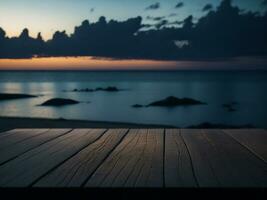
x,y
49,16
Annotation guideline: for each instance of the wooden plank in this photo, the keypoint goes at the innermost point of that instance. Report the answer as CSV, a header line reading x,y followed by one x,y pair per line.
x,y
14,131
75,171
253,139
237,166
219,161
178,165
31,166
136,162
17,135
199,150
13,150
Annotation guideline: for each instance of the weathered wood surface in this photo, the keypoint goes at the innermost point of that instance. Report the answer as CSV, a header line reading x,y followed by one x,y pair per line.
x,y
11,151
133,158
179,170
29,167
18,135
74,172
136,162
219,161
254,140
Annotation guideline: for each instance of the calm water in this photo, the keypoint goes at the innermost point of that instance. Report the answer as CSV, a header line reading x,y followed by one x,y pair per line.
x,y
215,88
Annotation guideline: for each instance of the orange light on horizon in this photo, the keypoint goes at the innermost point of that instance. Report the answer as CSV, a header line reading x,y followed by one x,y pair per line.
x,y
83,63
90,63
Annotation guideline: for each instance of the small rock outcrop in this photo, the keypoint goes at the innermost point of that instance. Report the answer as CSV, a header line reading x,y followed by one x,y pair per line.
x,y
137,106
107,89
4,96
59,102
174,101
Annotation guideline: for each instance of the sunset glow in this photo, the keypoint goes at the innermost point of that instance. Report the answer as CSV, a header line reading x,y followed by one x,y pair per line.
x,y
82,63
90,63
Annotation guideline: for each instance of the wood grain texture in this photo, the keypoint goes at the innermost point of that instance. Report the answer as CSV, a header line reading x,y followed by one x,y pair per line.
x,y
136,162
18,135
29,167
199,150
133,158
178,165
237,166
253,139
219,161
13,150
75,171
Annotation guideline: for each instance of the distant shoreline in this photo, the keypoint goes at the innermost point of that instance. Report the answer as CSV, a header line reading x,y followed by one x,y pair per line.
x,y
27,122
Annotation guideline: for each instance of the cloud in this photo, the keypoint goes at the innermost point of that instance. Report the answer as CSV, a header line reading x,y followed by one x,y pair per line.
x,y
21,47
207,7
154,6
2,34
179,5
172,15
155,18
177,22
223,32
264,2
161,24
181,43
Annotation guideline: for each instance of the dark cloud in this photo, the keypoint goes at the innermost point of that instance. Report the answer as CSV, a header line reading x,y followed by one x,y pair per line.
x,y
154,6
21,47
179,5
176,23
162,23
264,2
155,18
223,32
207,7
148,25
2,34
227,33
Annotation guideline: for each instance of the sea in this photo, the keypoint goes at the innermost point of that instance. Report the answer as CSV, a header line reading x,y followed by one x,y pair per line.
x,y
248,89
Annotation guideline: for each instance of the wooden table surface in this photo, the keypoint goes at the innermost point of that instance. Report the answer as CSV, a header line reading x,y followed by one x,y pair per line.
x,y
129,158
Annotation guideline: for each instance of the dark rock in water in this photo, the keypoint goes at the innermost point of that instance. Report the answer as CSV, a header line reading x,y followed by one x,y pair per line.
x,y
4,96
87,90
83,90
99,89
137,106
108,89
111,89
174,101
59,102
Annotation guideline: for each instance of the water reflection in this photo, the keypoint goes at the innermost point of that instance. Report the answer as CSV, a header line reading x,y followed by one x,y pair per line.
x,y
214,88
